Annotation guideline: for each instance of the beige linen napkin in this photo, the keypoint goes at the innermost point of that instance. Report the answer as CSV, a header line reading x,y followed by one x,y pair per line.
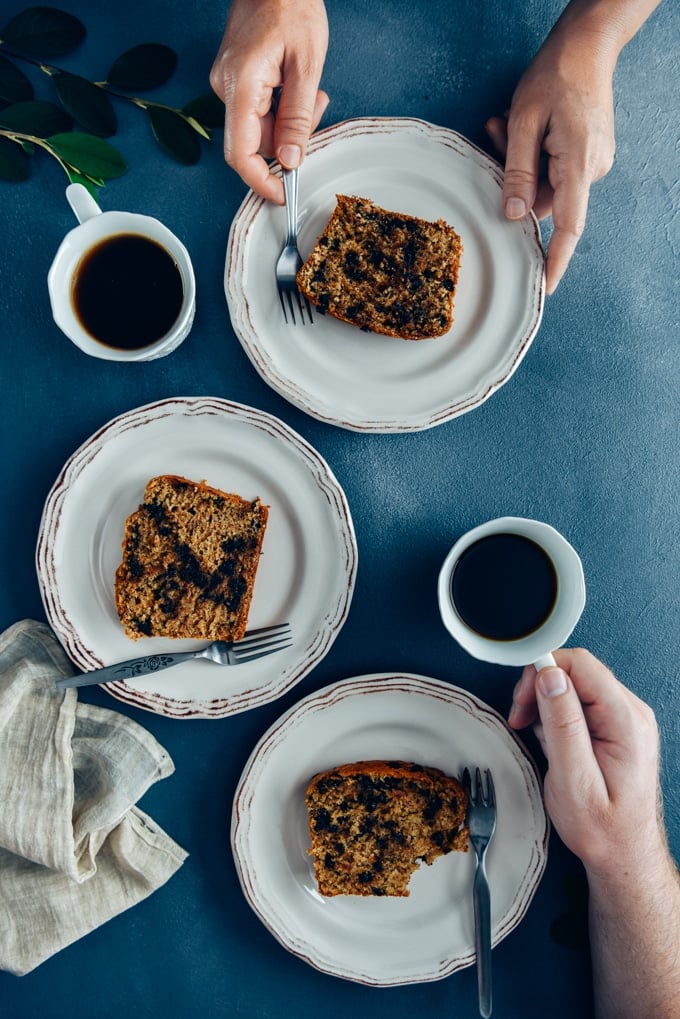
x,y
74,849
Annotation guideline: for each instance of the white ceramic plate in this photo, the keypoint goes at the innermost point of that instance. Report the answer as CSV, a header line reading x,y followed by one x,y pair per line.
x,y
306,573
373,383
385,941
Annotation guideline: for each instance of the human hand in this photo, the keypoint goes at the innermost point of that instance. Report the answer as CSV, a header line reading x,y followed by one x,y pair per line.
x,y
270,44
562,114
601,743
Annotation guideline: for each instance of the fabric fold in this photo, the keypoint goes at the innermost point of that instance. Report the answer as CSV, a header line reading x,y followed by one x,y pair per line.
x,y
74,849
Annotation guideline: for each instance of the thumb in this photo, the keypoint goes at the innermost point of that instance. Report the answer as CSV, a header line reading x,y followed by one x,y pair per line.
x,y
296,117
566,737
520,182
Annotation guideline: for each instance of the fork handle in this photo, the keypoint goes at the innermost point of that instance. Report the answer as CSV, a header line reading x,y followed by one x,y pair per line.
x,y
126,670
482,910
290,190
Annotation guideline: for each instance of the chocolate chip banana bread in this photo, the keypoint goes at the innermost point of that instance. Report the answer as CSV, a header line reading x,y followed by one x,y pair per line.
x,y
384,271
190,554
372,822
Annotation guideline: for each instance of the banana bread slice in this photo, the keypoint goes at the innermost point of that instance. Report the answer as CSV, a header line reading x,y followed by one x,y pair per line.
x,y
372,822
384,271
190,554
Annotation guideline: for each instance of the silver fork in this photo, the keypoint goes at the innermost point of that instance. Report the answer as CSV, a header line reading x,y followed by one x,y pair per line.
x,y
481,821
255,644
289,261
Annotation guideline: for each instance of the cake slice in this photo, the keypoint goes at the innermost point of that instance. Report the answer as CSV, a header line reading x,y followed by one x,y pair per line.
x,y
371,823
384,271
190,554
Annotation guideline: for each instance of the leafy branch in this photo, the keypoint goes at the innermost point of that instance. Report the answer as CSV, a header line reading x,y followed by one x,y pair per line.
x,y
28,124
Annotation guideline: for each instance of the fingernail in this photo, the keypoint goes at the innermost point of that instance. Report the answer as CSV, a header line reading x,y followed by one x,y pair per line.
x,y
552,682
515,208
290,155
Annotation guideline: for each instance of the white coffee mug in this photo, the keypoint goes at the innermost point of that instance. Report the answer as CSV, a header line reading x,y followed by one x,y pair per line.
x,y
96,226
536,647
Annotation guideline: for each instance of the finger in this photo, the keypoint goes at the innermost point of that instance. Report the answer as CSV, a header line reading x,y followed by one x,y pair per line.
x,y
320,105
247,103
523,711
522,158
544,199
569,208
497,130
610,708
566,738
540,736
300,108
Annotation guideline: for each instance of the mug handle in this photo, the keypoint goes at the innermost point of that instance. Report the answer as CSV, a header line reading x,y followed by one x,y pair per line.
x,y
544,661
82,202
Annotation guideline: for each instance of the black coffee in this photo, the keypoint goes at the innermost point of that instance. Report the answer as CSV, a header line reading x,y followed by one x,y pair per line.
x,y
127,291
504,586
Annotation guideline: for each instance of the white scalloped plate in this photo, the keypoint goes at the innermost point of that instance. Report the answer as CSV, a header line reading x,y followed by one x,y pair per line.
x,y
363,381
385,941
306,573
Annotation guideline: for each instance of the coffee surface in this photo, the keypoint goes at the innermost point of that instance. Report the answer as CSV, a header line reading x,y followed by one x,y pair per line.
x,y
504,586
127,291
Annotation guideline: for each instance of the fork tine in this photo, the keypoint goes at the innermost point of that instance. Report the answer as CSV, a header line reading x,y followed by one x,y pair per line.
x,y
283,306
479,787
259,645
292,305
289,295
265,649
301,307
256,636
491,792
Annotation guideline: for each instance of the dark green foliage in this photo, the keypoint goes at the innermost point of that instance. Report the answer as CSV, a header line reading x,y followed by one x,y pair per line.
x,y
35,117
15,87
15,165
28,125
87,104
43,32
145,66
175,135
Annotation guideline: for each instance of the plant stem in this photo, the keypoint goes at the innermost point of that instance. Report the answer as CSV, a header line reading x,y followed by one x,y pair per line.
x,y
143,104
19,137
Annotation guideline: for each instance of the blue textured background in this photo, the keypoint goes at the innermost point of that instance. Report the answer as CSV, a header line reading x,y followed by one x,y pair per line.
x,y
584,436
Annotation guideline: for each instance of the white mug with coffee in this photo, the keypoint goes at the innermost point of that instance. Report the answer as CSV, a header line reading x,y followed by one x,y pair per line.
x,y
511,591
121,285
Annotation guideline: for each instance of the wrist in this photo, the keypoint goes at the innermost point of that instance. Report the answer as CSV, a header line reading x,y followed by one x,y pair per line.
x,y
604,27
646,863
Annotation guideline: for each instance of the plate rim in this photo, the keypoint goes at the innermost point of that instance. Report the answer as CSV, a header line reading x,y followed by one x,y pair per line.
x,y
285,385
85,658
378,683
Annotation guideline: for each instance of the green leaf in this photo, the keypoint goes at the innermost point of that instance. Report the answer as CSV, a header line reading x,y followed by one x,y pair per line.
x,y
91,183
93,157
174,135
43,32
15,165
87,104
35,117
14,85
145,66
207,110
